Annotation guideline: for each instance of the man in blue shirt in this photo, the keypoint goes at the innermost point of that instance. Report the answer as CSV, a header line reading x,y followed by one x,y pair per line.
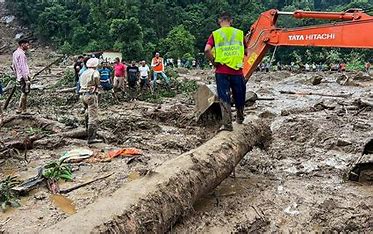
x,y
105,77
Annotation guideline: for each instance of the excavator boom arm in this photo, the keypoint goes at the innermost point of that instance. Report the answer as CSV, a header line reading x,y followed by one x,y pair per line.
x,y
353,32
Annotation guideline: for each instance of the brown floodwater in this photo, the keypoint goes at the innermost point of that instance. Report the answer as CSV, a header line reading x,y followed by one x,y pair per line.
x,y
63,203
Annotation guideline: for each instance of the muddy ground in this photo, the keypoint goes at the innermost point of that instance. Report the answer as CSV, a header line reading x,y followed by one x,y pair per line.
x,y
296,184
162,130
299,183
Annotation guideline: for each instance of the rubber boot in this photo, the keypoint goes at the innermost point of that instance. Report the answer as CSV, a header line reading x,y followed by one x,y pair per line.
x,y
92,134
226,115
240,116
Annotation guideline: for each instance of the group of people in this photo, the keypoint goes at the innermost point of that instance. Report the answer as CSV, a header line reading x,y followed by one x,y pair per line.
x,y
125,77
91,76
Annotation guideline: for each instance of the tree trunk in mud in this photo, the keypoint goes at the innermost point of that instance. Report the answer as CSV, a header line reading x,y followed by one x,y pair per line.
x,y
155,202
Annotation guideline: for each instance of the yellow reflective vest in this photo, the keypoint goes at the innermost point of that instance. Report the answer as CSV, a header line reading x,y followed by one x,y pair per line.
x,y
229,48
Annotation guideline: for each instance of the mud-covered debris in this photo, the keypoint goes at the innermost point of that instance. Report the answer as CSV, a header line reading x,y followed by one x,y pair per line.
x,y
362,76
267,114
316,80
124,152
77,155
40,196
362,169
328,204
258,225
292,210
342,142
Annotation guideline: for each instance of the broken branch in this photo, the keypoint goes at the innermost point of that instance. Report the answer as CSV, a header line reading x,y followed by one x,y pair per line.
x,y
316,94
64,191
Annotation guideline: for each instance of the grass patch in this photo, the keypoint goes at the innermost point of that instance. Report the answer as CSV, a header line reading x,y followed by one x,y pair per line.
x,y
8,198
186,87
68,79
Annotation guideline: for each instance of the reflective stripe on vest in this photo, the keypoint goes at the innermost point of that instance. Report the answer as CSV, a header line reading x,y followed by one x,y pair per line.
x,y
229,48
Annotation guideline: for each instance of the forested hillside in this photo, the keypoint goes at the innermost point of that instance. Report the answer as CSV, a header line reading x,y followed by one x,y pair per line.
x,y
177,28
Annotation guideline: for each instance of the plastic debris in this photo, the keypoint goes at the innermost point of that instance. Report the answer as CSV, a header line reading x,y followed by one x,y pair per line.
x,y
125,152
77,155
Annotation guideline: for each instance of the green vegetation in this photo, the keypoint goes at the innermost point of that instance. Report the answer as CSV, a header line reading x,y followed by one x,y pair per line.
x,y
7,197
187,86
68,79
176,28
57,170
5,79
163,91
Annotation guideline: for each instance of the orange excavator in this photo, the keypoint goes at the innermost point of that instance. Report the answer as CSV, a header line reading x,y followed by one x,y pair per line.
x,y
353,30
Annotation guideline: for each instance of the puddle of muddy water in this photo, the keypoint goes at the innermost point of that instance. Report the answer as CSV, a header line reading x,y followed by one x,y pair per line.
x,y
134,175
23,201
7,213
64,203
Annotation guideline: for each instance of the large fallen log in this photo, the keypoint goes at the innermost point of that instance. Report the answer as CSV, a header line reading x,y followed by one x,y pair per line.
x,y
155,202
34,121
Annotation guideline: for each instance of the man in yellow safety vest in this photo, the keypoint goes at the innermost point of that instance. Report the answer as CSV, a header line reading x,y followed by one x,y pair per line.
x,y
225,48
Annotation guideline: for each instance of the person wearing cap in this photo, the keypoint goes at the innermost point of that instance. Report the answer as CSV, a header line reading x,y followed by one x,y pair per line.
x,y
89,83
22,72
158,69
225,49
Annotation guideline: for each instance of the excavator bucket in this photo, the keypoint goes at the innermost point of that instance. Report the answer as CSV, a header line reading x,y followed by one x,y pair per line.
x,y
362,169
207,103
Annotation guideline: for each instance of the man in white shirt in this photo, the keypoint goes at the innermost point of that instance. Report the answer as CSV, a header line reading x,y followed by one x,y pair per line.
x,y
144,75
307,67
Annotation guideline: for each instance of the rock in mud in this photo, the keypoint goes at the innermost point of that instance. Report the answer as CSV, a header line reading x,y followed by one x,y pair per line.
x,y
316,80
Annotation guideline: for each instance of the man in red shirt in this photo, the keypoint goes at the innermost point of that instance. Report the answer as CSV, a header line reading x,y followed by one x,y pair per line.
x,y
119,75
229,75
